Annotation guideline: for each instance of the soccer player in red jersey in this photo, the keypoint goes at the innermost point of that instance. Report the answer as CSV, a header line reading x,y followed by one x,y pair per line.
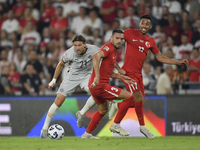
x,y
138,43
103,64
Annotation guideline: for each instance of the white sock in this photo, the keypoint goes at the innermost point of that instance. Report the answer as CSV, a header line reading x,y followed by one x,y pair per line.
x,y
116,105
88,105
51,113
116,124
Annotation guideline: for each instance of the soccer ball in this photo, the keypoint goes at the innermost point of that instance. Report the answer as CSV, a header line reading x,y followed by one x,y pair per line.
x,y
56,132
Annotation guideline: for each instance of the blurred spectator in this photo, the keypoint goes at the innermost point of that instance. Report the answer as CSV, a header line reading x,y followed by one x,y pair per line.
x,y
27,17
14,36
70,35
29,36
97,39
19,8
149,79
120,17
47,14
193,7
59,24
185,17
61,48
96,21
31,82
108,10
46,35
12,54
187,30
124,5
154,21
4,40
14,79
34,11
6,88
156,9
87,33
4,59
163,22
158,72
170,54
174,7
20,61
164,83
170,45
141,7
70,9
44,54
2,19
108,31
11,24
81,21
92,7
132,20
194,68
156,35
173,28
163,41
196,33
33,60
184,47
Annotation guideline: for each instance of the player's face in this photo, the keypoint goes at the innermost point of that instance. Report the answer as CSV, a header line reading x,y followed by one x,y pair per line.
x,y
145,26
117,40
79,47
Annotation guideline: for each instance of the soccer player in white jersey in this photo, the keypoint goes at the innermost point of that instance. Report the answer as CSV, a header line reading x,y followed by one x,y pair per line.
x,y
80,58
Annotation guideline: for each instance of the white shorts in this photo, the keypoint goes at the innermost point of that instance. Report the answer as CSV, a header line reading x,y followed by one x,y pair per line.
x,y
69,86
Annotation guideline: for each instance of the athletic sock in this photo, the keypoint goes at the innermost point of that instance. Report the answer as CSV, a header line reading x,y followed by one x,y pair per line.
x,y
94,122
123,107
51,113
139,112
88,105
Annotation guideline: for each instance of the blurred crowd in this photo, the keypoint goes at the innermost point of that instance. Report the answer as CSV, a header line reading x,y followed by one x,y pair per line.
x,y
35,34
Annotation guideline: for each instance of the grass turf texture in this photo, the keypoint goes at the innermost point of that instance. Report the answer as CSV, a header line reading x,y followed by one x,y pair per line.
x,y
105,143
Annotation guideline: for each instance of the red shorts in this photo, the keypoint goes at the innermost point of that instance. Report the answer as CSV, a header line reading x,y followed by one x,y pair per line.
x,y
104,92
139,86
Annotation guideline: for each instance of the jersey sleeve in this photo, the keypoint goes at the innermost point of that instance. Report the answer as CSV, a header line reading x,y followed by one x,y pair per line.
x,y
154,49
106,49
126,34
65,56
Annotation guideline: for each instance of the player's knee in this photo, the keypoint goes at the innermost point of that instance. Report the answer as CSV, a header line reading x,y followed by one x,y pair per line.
x,y
59,102
103,112
139,99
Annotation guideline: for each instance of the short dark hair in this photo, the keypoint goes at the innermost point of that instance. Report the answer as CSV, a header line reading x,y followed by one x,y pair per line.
x,y
117,31
78,38
195,48
146,17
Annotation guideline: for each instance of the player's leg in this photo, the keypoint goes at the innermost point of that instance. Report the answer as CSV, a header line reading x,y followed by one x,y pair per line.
x,y
88,105
123,107
102,110
51,113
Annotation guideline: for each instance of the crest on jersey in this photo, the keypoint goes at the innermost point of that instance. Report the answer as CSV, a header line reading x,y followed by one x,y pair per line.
x,y
147,44
106,48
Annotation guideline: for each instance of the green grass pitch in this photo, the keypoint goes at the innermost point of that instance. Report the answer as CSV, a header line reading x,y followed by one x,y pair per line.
x,y
104,143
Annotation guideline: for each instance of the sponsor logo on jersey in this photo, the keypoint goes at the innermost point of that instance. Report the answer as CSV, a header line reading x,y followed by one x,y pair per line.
x,y
141,41
135,40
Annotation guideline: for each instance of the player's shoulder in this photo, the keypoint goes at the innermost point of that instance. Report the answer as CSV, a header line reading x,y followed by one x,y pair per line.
x,y
107,46
92,47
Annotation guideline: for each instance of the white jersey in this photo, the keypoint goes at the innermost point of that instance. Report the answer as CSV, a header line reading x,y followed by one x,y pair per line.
x,y
80,66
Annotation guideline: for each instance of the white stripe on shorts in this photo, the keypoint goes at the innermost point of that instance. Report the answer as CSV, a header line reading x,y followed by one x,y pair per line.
x,y
111,93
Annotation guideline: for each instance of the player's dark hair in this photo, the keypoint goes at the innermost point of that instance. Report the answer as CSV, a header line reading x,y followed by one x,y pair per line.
x,y
185,35
117,31
146,17
78,38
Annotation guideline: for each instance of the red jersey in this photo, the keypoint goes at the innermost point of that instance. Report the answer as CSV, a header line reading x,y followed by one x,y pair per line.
x,y
107,64
195,75
47,14
137,47
58,24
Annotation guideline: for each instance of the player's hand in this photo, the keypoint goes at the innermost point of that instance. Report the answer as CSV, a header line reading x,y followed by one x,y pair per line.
x,y
128,80
183,62
121,71
95,82
51,84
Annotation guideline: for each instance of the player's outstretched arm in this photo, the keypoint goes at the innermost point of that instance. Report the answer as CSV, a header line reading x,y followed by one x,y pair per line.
x,y
126,79
167,60
96,62
56,74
